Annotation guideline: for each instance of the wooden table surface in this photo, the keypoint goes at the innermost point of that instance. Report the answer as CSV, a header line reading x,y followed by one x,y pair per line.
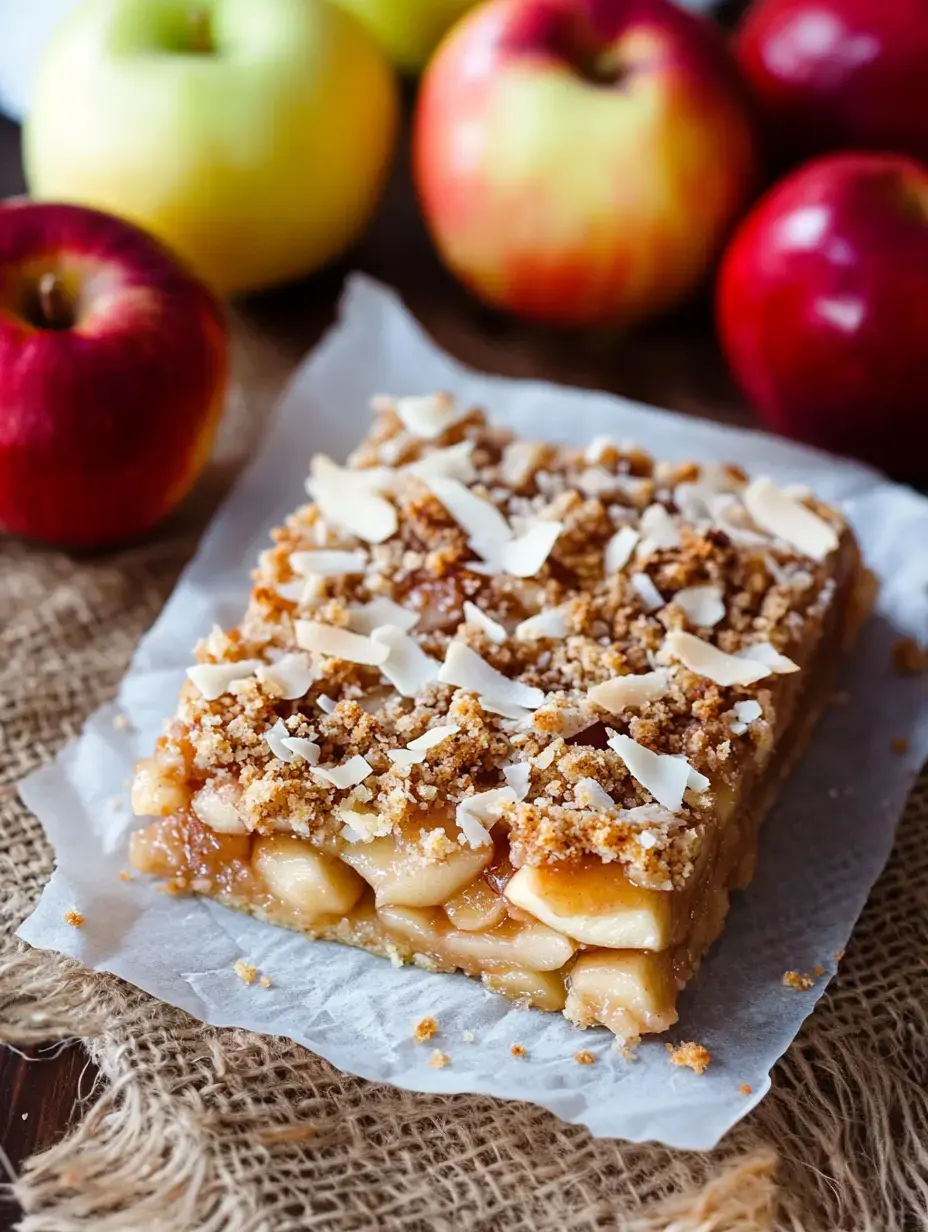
x,y
674,364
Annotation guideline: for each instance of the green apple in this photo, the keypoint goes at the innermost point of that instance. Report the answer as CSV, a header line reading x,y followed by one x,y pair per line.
x,y
253,136
410,30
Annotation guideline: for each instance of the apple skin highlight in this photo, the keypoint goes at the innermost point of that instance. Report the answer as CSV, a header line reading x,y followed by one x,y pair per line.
x,y
581,163
107,415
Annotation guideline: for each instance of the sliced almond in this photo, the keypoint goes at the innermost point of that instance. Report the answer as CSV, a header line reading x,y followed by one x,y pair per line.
x,y
214,679
486,624
707,660
465,668
664,776
408,668
624,692
339,643
704,605
780,514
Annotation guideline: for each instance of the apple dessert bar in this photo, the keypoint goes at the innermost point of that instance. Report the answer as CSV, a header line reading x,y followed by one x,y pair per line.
x,y
507,708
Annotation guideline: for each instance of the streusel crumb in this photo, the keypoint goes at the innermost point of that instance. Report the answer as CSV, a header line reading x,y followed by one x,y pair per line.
x,y
745,1089
74,918
584,1057
439,1059
798,981
424,1030
691,1055
518,1050
245,971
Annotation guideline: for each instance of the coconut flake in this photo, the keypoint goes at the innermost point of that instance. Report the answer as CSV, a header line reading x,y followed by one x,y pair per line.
x,y
465,668
697,782
506,709
664,776
301,747
275,737
519,462
780,514
327,562
405,757
595,481
367,617
485,526
325,703
745,714
553,623
451,463
408,668
622,692
703,605
435,735
486,624
351,498
658,528
523,556
592,795
643,586
339,643
618,550
355,770
291,591
707,660
428,416
485,807
214,679
764,652
648,815
518,776
292,675
545,757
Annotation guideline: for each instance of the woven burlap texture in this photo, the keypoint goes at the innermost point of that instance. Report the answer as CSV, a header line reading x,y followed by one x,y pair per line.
x,y
193,1128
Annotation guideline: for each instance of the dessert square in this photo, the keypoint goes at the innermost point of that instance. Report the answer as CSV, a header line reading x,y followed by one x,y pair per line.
x,y
507,708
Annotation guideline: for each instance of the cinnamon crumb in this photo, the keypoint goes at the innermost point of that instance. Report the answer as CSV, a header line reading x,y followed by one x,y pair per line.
x,y
518,1050
245,971
899,745
468,1037
819,970
265,981
439,1059
584,1057
692,1055
126,875
424,1030
839,954
74,918
797,981
909,659
745,1089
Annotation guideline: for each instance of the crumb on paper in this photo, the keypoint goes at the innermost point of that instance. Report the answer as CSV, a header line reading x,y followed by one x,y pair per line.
x,y
439,1059
265,981
126,875
584,1057
424,1030
909,659
245,971
518,1050
468,1037
74,918
121,722
839,955
745,1089
899,745
287,1133
798,981
818,970
696,1057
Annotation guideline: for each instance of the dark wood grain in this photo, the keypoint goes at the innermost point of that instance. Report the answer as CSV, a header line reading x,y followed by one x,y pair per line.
x,y
674,364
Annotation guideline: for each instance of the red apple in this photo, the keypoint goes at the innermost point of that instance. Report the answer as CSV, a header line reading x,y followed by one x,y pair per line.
x,y
833,74
580,161
823,308
113,368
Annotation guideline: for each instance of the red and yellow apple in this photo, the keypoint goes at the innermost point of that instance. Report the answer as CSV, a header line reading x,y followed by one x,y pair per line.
x,y
581,161
832,74
113,370
823,308
409,30
252,136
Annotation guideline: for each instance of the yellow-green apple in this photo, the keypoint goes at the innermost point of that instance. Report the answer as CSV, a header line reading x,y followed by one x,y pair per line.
x,y
823,307
253,136
113,364
410,30
832,74
580,161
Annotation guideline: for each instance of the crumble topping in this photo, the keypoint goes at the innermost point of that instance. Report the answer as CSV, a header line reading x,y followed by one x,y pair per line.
x,y
245,971
74,918
424,1030
463,631
745,1089
518,1050
690,1055
798,981
584,1057
439,1059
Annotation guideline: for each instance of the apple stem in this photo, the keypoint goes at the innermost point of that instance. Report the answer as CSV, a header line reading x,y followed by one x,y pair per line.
x,y
53,302
200,34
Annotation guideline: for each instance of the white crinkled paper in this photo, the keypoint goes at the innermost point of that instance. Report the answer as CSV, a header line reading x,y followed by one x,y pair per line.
x,y
823,845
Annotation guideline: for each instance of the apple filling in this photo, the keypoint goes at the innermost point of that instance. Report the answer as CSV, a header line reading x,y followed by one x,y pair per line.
x,y
507,709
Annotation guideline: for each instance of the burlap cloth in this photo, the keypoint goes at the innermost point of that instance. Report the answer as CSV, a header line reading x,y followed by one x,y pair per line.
x,y
196,1128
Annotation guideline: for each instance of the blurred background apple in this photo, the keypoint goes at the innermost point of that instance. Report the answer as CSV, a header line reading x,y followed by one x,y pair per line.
x,y
409,30
823,307
113,368
579,162
833,74
254,138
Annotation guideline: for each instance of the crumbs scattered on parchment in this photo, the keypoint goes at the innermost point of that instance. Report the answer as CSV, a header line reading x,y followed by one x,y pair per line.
x,y
126,875
818,970
439,1059
899,745
745,1089
424,1030
265,981
74,918
627,1049
696,1057
909,659
468,1037
245,971
798,981
518,1050
584,1057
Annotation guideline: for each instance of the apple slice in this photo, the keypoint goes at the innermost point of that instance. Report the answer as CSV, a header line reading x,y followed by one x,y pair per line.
x,y
596,905
630,992
401,876
543,989
304,878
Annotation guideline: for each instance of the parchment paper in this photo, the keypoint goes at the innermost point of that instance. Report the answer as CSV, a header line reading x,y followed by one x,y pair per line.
x,y
823,845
